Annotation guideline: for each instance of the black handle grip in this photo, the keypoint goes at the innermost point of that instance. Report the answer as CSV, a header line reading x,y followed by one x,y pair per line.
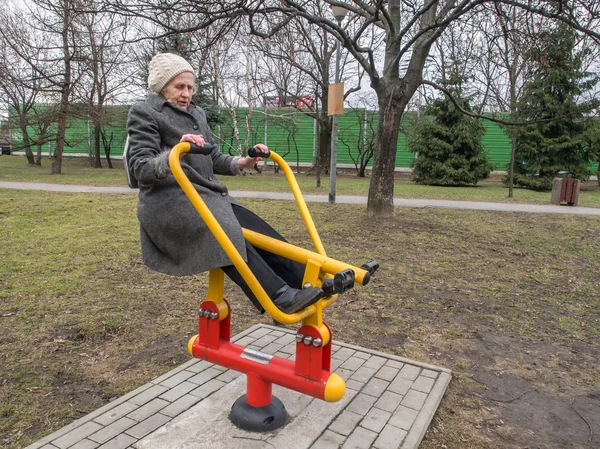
x,y
343,281
206,149
371,266
255,152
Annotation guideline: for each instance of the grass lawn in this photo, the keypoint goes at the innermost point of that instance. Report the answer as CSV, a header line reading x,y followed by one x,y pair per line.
x,y
78,171
508,301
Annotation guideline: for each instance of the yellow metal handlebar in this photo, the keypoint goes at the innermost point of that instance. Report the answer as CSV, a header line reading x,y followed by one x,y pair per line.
x,y
310,226
225,242
319,260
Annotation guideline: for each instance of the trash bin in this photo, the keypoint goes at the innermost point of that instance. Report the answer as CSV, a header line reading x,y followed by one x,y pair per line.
x,y
565,191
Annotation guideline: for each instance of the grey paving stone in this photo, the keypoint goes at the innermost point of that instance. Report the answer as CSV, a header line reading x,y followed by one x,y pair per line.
x,y
290,348
362,355
272,348
148,425
430,373
376,419
364,374
200,366
264,341
176,379
175,393
414,399
245,341
112,430
286,339
361,438
335,364
329,440
375,362
85,444
228,376
423,384
76,435
403,417
148,409
209,387
361,404
394,364
387,373
148,395
205,376
390,438
180,405
354,385
165,376
343,353
400,385
389,401
344,373
190,363
116,413
345,422
120,442
260,332
375,387
409,372
352,363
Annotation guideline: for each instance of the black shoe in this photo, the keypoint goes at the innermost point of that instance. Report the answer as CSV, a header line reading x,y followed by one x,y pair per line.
x,y
328,287
291,300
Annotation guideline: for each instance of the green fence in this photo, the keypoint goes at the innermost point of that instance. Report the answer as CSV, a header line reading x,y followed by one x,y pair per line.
x,y
287,131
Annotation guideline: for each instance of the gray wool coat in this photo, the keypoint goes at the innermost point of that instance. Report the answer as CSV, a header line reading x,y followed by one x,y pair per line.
x,y
174,238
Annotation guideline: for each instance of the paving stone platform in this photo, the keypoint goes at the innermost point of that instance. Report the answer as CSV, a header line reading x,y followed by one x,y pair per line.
x,y
389,404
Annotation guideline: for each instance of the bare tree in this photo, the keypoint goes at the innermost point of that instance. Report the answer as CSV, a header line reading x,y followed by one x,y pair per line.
x,y
510,30
298,61
103,56
19,82
53,21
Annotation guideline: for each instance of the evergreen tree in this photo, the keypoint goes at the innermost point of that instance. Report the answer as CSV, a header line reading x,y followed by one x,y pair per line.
x,y
558,142
449,146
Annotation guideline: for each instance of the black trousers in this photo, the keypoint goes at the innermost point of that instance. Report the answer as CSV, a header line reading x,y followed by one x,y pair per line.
x,y
271,270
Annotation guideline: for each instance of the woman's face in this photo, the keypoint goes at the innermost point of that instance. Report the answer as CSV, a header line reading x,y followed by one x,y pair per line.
x,y
179,90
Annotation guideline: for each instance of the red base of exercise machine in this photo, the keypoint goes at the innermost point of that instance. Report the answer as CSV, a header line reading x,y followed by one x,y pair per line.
x,y
258,410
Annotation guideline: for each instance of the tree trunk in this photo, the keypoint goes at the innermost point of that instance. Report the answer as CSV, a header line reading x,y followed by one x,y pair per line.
x,y
27,145
511,167
38,159
97,131
324,147
381,188
63,110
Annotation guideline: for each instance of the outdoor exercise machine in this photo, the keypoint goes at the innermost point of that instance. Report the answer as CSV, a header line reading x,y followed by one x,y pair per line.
x,y
258,410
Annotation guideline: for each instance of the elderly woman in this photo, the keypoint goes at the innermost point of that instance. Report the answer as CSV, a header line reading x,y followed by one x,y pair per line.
x,y
174,238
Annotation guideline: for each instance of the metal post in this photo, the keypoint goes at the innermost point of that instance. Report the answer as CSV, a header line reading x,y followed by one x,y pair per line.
x,y
334,131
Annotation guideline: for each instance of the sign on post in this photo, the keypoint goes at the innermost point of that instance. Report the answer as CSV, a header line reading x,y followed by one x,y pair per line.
x,y
335,104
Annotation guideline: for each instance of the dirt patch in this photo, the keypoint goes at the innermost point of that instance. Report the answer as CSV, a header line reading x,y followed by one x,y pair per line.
x,y
160,352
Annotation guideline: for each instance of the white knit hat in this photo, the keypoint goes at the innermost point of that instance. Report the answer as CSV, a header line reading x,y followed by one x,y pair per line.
x,y
163,68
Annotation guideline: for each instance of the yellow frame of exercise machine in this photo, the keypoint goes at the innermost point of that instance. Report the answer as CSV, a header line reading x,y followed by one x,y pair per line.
x,y
318,265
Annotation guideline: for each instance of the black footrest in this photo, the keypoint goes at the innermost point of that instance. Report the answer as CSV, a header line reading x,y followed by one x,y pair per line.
x,y
343,281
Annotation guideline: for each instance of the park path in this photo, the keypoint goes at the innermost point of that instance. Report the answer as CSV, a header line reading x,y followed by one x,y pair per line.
x,y
342,199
